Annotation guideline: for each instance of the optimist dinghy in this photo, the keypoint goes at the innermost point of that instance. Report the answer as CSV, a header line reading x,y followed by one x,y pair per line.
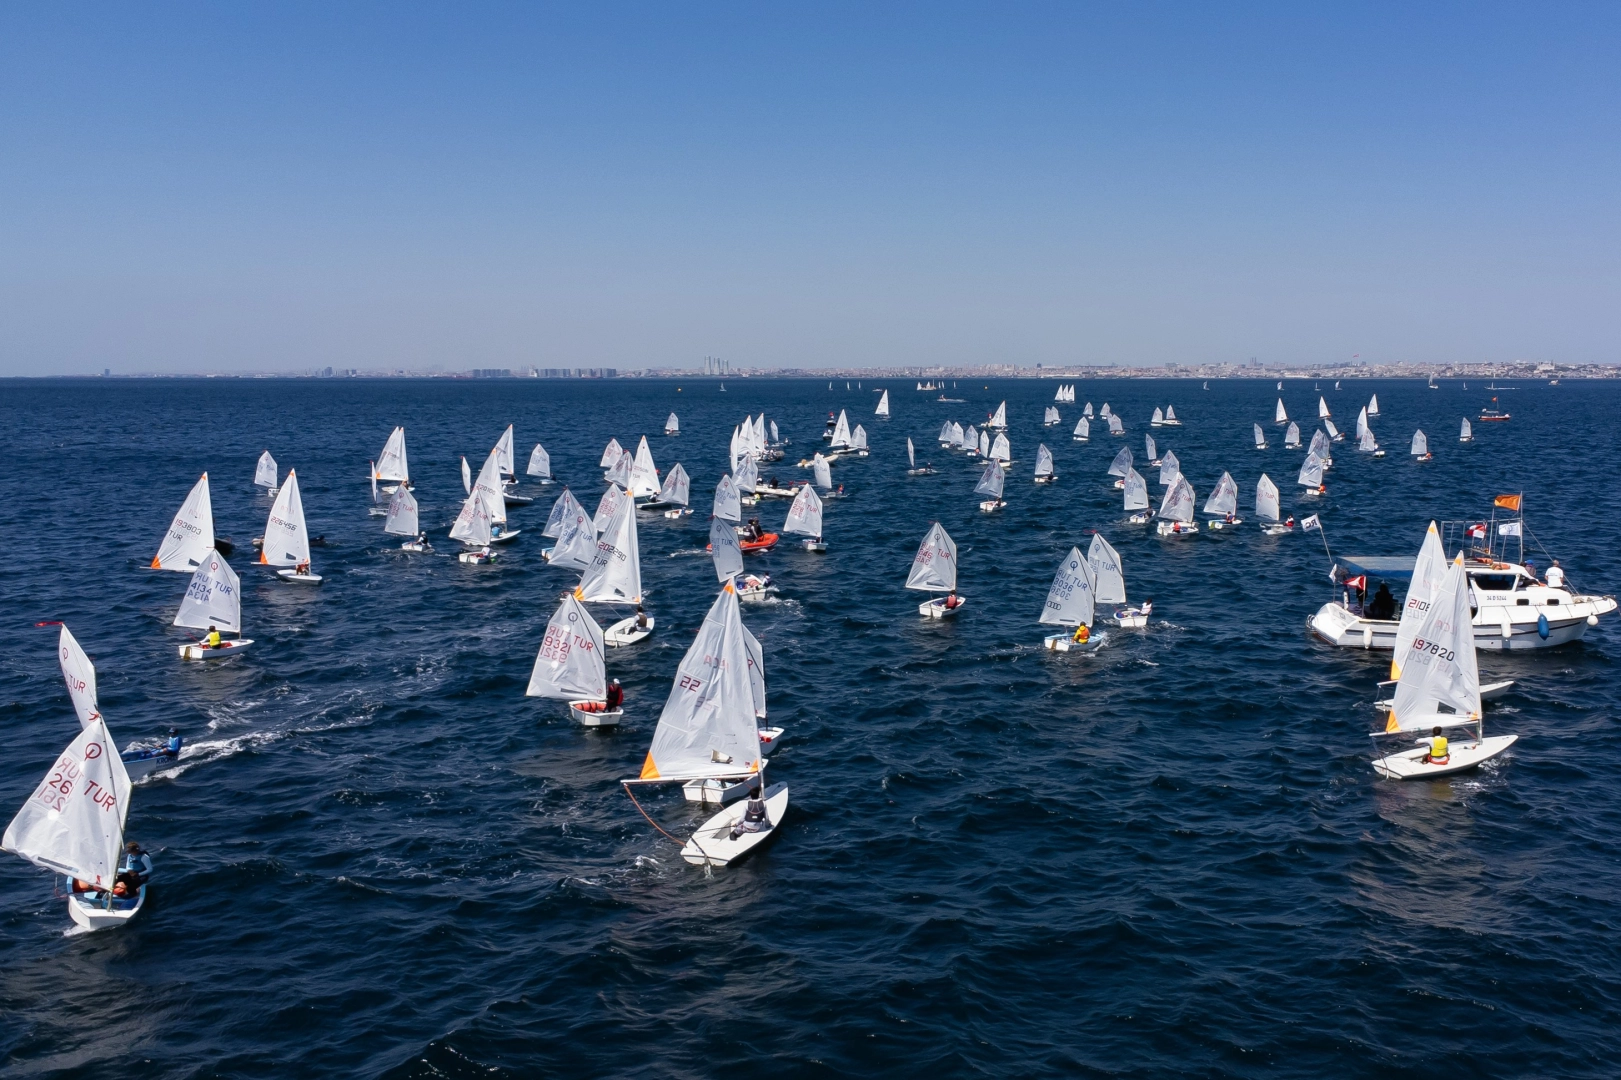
x,y
392,467
1109,584
1070,602
934,569
1176,511
569,666
213,601
377,508
629,630
402,521
1136,498
1266,507
474,525
286,540
264,474
911,463
805,519
1438,690
1224,502
992,484
719,841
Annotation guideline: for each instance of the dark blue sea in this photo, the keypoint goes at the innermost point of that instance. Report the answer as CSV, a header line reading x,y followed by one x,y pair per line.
x,y
1170,858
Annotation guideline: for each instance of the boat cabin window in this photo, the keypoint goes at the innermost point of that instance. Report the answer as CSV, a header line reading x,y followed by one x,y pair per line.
x,y
1495,582
1523,602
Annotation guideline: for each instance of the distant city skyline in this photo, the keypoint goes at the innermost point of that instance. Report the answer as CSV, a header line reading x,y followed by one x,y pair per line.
x,y
194,188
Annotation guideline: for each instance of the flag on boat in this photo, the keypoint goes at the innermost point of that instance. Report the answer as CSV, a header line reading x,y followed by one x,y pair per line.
x,y
1310,523
1477,531
1507,502
1509,528
1360,582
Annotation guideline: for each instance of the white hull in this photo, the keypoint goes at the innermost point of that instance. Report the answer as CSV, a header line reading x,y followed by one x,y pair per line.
x,y
991,506
93,916
1566,623
1488,692
194,651
379,511
506,537
477,558
1218,524
753,588
1067,642
1461,755
294,577
413,546
1132,617
1177,528
718,792
936,609
142,767
626,632
817,546
713,845
595,717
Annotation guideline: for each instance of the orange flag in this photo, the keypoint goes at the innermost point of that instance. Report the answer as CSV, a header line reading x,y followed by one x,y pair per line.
x,y
1507,502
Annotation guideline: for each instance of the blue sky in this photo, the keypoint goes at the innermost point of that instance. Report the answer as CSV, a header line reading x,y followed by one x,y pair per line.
x,y
274,186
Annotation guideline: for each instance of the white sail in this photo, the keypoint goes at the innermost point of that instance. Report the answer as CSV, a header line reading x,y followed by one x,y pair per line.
x,y
934,568
264,474
489,487
883,405
540,463
563,509
402,513
608,506
992,482
214,598
576,538
1439,667
1044,460
676,487
504,457
708,727
1266,499
472,525
1373,405
724,549
1322,408
735,449
774,436
1170,470
1260,438
73,823
956,435
1361,423
999,419
805,513
1178,504
822,472
611,453
841,432
287,541
1421,444
1320,446
1150,449
672,425
1087,410
569,665
622,470
1311,472
985,443
1170,413
1083,428
375,500
1108,579
1283,414
858,438
191,534
467,477
1071,599
644,476
1328,425
80,675
1122,462
911,455
970,440
1292,436
1115,426
1158,417
756,655
945,433
1428,571
1136,490
392,467
1000,450
1105,410
728,504
1223,500
1466,432
615,574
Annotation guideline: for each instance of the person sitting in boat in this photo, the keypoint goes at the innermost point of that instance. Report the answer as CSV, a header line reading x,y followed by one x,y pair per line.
x,y
951,601
1556,575
1322,489
136,865
1289,523
1083,634
1383,604
212,641
751,531
616,696
1439,753
754,817
641,618
840,493
302,568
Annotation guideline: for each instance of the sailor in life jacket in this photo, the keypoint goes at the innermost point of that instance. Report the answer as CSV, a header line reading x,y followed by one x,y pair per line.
x,y
1083,634
212,641
754,817
1439,753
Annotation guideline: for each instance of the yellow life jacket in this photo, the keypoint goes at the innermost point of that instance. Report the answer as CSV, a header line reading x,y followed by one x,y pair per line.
x,y
1438,748
213,639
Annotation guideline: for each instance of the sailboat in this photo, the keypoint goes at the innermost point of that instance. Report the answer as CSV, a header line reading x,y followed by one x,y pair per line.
x,y
970,441
1170,417
392,467
1266,507
672,425
540,465
615,576
213,601
709,731
264,473
506,474
1116,427
911,463
611,454
1223,503
1291,438
1136,498
1170,469
1158,419
1086,410
1109,584
1373,405
1044,465
1070,602
673,495
991,483
1000,450
858,441
1260,438
644,475
1439,689
1320,446
1311,475
805,519
80,675
1120,466
378,508
1282,415
620,471
475,524
1050,417
1421,446
1334,433
998,420
1083,430
822,475
934,569
1176,510
1322,408
1433,385
839,439
493,489
402,521
467,477
883,406
73,824
574,530
1467,434
190,538
287,541
1150,451
569,666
